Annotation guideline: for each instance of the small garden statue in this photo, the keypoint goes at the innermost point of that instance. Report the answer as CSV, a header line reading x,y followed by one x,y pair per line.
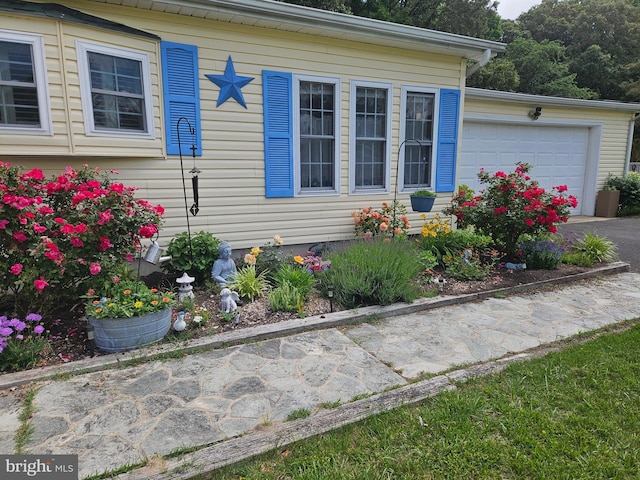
x,y
228,301
224,266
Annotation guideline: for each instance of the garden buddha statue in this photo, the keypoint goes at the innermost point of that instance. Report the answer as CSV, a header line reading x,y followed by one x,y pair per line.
x,y
224,266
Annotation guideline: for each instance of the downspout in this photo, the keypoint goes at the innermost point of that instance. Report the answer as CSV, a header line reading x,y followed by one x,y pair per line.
x,y
627,161
484,59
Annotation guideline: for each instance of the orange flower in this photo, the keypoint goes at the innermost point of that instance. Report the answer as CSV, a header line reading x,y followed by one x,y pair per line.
x,y
96,302
154,302
98,310
127,292
154,290
384,227
166,299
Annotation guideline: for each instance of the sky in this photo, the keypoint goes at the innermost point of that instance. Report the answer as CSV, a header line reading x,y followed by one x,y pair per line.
x,y
511,9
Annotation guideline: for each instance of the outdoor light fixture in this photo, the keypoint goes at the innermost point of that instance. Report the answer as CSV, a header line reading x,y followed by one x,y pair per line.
x,y
330,295
535,114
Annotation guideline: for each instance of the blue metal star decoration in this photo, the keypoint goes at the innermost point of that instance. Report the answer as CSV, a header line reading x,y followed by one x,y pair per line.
x,y
230,84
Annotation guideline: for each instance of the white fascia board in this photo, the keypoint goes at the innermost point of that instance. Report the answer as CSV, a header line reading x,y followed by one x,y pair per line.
x,y
533,100
295,18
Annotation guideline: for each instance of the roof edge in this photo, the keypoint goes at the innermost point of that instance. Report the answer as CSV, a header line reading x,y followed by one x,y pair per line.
x,y
297,15
529,99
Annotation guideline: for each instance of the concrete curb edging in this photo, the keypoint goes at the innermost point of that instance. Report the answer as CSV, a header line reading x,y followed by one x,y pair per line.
x,y
289,327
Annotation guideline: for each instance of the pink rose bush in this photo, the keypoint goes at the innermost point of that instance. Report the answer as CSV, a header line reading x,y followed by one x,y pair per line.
x,y
511,205
60,236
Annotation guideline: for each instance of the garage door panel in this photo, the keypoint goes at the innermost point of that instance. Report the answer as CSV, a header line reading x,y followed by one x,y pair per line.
x,y
558,154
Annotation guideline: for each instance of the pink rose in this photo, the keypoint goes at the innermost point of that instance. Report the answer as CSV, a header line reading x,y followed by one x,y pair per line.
x,y
95,268
16,269
40,284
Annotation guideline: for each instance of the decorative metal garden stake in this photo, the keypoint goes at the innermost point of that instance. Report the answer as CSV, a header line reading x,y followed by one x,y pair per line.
x,y
194,179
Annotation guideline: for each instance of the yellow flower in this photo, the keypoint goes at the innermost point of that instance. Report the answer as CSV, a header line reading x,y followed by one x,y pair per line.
x,y
255,251
277,239
299,259
138,304
250,259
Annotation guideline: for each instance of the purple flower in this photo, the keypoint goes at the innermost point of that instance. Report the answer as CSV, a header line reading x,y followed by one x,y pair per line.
x,y
34,317
20,337
38,329
17,324
6,331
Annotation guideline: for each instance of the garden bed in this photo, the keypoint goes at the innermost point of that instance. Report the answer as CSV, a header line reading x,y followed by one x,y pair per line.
x,y
69,341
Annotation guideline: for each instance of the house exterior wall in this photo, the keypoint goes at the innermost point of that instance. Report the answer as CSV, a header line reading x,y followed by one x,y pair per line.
x,y
233,205
609,128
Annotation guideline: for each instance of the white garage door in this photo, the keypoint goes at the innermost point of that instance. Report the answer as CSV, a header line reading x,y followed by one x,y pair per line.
x,y
558,154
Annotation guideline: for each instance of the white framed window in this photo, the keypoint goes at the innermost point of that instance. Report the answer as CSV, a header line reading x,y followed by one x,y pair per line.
x,y
418,127
316,114
24,95
370,136
115,87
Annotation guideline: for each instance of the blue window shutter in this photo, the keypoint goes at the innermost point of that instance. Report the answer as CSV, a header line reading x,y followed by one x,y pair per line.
x,y
447,140
278,133
181,96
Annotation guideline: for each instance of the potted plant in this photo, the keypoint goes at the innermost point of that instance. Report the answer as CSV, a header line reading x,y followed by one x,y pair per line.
x,y
129,315
422,200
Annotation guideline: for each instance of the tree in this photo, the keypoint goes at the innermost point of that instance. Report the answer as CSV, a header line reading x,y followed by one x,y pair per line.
x,y
498,74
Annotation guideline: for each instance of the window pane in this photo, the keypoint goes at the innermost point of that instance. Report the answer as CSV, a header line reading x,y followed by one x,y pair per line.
x,y
419,140
18,92
317,136
117,93
371,141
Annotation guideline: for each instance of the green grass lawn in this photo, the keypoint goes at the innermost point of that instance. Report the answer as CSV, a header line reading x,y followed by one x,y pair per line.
x,y
574,414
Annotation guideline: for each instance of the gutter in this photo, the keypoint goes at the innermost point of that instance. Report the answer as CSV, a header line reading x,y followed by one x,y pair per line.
x,y
487,55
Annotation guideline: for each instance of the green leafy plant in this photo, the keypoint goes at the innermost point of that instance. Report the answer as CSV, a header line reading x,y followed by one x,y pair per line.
x,y
511,205
127,299
466,265
268,257
205,252
590,249
438,238
249,283
377,272
286,298
629,186
423,193
21,342
297,276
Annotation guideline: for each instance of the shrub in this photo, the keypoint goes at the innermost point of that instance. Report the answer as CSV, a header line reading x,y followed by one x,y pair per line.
x,y
249,283
511,205
373,273
390,220
62,235
286,298
438,238
205,252
296,276
269,257
591,249
541,253
629,186
466,265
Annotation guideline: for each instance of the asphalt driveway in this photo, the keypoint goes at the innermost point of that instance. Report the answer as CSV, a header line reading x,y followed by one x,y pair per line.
x,y
624,232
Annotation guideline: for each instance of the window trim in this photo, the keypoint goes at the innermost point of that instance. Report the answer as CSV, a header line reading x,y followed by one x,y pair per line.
x,y
42,84
336,82
406,89
83,48
353,190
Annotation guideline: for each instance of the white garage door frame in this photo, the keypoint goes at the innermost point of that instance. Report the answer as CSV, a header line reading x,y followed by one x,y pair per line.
x,y
594,140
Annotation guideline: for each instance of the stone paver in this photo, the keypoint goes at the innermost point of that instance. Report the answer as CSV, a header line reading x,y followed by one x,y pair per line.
x,y
125,416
